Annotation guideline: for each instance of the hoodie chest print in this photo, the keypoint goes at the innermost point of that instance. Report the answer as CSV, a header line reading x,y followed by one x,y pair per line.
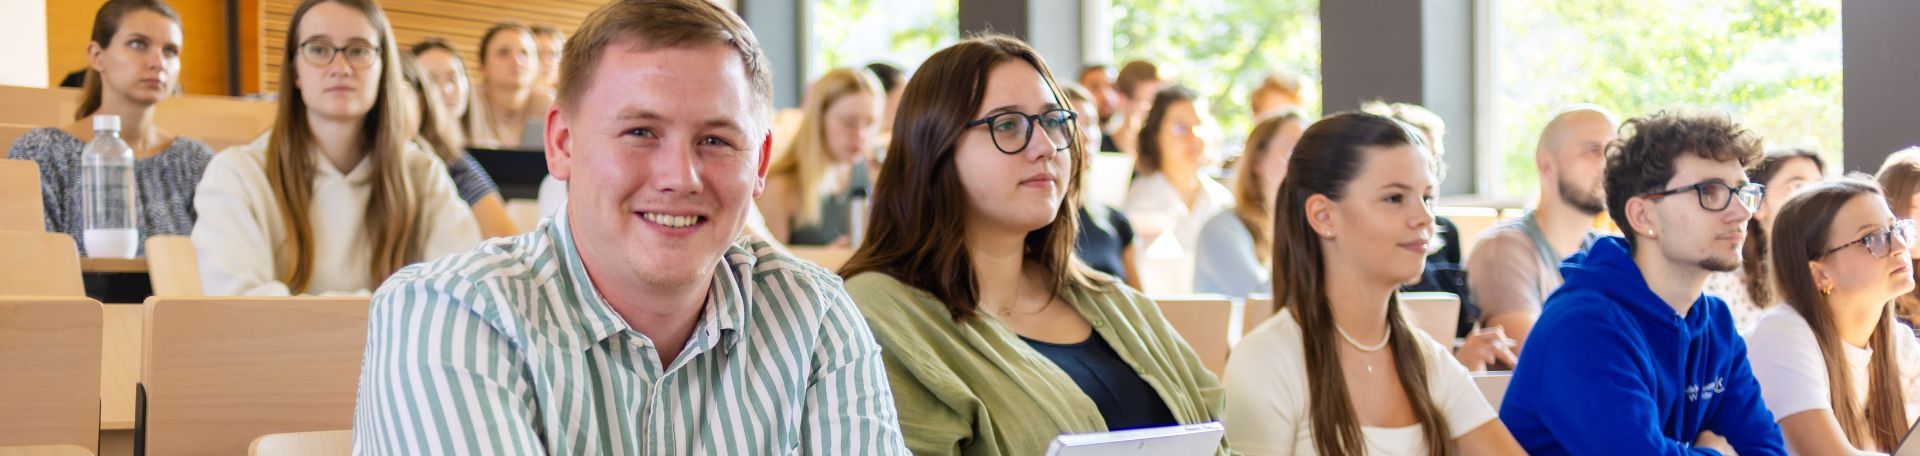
x,y
1699,392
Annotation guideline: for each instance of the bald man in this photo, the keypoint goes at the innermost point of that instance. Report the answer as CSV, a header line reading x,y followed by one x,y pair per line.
x,y
1516,264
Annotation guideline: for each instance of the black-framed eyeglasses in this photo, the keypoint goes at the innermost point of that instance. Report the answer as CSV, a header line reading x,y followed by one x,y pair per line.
x,y
1012,130
1716,196
359,56
1880,243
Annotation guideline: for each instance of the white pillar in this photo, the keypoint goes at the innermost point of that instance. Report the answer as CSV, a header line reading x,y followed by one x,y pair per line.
x,y
23,40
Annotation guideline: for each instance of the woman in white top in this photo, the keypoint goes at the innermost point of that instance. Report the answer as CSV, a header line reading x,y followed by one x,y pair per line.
x,y
1172,195
1748,290
1840,265
334,200
1339,370
509,109
1232,255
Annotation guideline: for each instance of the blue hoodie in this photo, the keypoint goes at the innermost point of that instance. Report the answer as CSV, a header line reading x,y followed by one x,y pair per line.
x,y
1610,369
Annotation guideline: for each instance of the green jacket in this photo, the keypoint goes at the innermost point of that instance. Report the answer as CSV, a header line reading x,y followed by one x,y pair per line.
x,y
975,388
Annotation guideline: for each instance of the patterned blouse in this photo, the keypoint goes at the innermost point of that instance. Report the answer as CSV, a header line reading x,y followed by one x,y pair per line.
x,y
166,183
1731,287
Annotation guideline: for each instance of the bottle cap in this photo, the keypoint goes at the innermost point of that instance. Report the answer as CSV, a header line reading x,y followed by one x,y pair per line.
x,y
103,122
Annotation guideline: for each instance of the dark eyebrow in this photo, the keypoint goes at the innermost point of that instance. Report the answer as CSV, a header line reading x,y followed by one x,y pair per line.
x,y
329,40
1016,109
1397,186
1863,228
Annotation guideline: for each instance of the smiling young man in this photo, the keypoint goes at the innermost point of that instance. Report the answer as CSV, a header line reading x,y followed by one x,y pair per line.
x,y
1629,357
634,321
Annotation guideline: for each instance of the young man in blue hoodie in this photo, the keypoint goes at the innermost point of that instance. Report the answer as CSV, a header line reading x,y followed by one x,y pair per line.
x,y
1628,357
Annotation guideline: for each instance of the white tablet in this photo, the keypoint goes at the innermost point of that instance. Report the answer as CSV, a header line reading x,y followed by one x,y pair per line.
x,y
1192,439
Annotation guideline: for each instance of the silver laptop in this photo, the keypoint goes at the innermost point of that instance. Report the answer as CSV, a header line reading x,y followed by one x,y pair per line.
x,y
1909,445
1190,439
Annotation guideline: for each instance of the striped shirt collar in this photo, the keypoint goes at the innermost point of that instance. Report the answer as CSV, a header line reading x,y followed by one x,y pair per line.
x,y
720,320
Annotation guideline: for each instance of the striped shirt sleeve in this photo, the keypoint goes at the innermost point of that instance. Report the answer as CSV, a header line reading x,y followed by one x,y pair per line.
x,y
471,179
436,379
849,404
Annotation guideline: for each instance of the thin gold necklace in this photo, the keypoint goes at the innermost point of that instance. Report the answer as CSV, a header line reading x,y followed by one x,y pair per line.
x,y
1008,311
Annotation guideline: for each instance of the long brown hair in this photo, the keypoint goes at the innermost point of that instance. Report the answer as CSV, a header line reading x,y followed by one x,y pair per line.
x,y
1899,177
807,160
916,233
106,24
1250,202
1795,246
1753,254
393,209
437,126
1328,157
463,120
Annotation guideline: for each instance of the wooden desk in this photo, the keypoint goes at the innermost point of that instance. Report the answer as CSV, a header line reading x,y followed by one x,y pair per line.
x,y
45,450
113,265
120,336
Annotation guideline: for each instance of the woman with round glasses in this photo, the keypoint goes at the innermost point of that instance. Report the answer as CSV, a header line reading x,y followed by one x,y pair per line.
x,y
1837,373
996,338
336,198
1172,195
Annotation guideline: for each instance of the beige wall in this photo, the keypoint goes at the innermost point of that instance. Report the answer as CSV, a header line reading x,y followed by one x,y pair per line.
x,y
460,22
203,55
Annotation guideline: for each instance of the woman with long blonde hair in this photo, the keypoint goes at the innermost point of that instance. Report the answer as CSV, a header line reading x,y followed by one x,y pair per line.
x,y
335,199
1899,179
437,131
1233,257
509,106
810,186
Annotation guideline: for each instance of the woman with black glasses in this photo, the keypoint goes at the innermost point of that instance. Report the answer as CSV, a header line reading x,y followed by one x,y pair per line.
x,y
1840,264
996,338
335,199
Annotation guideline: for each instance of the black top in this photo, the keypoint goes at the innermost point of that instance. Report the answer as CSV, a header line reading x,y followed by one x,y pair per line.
x,y
1126,401
1104,232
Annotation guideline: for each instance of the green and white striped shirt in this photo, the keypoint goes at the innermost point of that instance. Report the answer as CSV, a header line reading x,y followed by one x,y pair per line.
x,y
510,350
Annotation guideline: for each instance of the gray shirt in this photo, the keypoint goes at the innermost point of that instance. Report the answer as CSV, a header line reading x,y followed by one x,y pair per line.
x,y
166,182
1224,261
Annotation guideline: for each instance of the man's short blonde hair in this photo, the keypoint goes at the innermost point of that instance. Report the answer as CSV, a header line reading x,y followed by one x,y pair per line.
x,y
657,24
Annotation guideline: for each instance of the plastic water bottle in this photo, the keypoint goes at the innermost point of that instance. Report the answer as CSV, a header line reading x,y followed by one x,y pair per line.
x,y
857,211
107,193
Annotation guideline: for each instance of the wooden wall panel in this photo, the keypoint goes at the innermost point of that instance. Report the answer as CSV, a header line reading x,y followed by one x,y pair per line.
x,y
460,22
203,57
